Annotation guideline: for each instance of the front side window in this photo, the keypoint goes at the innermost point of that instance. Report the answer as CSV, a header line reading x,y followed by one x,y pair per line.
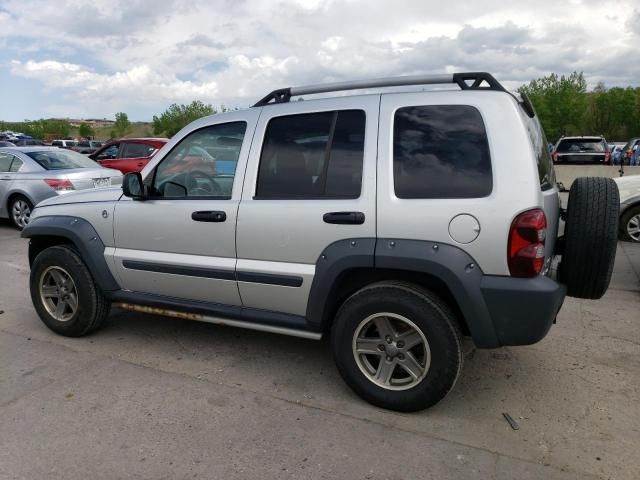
x,y
203,164
314,155
440,151
61,159
109,152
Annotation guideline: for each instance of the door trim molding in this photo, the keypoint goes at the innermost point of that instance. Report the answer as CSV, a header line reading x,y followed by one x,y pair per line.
x,y
215,273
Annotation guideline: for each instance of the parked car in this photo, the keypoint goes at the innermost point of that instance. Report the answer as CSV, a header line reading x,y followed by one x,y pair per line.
x,y
628,149
87,147
394,222
29,142
69,144
128,154
29,175
629,207
7,144
592,150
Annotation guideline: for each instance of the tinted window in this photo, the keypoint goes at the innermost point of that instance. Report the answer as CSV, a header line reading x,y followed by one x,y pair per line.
x,y
84,144
203,164
56,143
316,155
546,173
62,159
15,165
440,151
135,150
5,161
581,145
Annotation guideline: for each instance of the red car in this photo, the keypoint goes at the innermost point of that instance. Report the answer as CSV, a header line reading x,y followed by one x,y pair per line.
x,y
128,154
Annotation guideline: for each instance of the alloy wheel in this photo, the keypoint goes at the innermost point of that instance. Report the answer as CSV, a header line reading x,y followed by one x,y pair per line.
x,y
58,293
391,351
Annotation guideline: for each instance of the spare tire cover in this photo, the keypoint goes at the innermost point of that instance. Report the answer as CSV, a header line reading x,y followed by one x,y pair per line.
x,y
591,234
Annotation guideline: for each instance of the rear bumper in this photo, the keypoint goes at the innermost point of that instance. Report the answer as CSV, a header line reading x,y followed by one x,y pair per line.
x,y
522,309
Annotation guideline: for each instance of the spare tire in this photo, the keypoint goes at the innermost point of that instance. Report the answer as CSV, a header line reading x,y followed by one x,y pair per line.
x,y
590,237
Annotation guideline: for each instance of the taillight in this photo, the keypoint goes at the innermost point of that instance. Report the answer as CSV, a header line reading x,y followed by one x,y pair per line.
x,y
526,243
554,157
59,184
607,156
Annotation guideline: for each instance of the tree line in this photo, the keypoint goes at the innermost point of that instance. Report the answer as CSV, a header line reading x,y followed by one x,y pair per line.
x,y
566,107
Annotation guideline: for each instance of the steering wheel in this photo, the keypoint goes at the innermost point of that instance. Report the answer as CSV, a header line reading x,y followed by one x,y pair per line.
x,y
195,187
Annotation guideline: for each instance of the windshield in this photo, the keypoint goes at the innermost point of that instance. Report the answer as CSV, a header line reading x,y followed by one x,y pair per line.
x,y
582,145
62,160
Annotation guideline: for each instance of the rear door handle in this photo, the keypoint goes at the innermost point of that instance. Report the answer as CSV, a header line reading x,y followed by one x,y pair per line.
x,y
344,218
209,216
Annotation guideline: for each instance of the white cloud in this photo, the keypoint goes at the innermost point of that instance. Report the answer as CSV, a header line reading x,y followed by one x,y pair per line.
x,y
138,54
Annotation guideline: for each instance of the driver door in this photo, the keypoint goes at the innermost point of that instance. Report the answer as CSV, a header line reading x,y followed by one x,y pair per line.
x,y
182,241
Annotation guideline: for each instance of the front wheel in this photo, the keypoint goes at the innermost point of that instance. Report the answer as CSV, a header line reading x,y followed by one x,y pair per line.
x,y
397,346
64,293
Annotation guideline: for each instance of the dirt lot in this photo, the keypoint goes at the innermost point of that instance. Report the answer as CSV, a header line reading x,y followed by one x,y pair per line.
x,y
150,397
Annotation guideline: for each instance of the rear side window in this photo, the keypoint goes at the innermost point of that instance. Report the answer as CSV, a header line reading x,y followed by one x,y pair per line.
x,y
15,165
5,161
440,151
546,173
136,150
315,155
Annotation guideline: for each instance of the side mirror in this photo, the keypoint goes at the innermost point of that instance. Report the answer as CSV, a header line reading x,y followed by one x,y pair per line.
x,y
133,187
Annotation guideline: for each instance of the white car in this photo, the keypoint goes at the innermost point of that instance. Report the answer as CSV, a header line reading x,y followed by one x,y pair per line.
x,y
629,207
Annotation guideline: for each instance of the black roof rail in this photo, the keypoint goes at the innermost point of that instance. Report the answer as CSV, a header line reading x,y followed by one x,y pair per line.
x,y
466,81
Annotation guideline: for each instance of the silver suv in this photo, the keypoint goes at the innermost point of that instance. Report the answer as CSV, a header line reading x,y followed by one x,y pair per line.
x,y
394,222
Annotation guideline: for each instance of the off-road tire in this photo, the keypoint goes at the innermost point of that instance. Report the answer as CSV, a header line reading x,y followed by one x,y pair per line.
x,y
591,234
430,314
93,307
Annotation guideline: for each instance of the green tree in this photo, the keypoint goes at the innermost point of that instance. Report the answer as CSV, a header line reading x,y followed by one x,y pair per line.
x,y
122,125
174,118
561,103
86,131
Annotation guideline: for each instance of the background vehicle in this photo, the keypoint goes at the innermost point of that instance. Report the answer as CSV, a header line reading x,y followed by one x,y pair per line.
x,y
628,149
29,175
394,222
69,144
581,150
128,155
629,207
87,147
7,144
29,142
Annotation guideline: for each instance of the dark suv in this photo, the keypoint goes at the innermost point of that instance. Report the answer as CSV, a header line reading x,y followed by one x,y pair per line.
x,y
582,150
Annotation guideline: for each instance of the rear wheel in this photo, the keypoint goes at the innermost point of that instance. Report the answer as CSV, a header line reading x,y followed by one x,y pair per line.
x,y
630,225
591,234
64,293
397,346
20,210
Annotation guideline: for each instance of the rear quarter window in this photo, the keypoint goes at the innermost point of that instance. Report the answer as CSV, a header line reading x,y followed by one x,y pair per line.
x,y
441,151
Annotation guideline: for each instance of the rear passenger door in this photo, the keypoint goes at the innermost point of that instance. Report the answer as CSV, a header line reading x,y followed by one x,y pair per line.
x,y
310,182
435,178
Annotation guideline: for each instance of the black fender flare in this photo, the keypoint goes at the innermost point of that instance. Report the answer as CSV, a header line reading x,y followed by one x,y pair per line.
x,y
82,235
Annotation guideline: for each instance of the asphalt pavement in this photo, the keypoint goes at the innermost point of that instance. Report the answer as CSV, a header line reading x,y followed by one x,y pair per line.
x,y
153,397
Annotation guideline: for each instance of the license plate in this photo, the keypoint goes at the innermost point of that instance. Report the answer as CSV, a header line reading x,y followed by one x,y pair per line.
x,y
101,182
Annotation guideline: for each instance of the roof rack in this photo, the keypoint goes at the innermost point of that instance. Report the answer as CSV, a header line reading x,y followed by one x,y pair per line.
x,y
466,81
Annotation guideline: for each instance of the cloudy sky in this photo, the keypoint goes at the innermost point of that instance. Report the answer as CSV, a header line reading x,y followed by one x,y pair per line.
x,y
94,58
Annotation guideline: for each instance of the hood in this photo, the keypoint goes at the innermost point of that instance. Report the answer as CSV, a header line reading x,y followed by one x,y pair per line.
x,y
629,186
110,194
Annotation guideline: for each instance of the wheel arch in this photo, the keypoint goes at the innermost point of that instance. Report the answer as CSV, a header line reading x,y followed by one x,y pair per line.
x,y
346,266
47,231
